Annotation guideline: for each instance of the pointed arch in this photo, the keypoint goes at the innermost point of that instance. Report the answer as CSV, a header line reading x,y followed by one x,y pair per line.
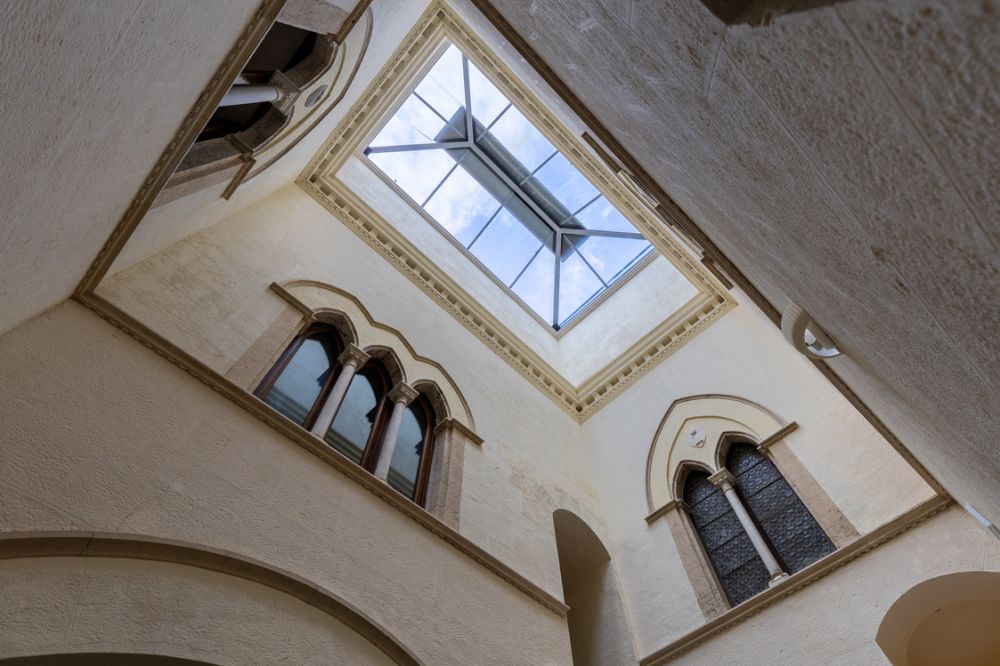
x,y
389,360
430,390
717,415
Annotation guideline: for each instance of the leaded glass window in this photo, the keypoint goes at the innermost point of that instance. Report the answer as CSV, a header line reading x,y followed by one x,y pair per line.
x,y
729,549
464,153
796,539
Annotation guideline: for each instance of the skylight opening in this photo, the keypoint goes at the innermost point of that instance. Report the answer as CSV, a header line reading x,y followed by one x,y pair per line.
x,y
466,155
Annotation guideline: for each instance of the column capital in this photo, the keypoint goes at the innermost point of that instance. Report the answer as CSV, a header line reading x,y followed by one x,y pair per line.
x,y
353,356
403,394
722,479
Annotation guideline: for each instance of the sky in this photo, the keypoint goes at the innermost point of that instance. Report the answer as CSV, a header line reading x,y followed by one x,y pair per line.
x,y
486,223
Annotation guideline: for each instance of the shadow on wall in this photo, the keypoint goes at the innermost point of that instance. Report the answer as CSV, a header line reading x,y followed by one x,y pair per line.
x,y
950,620
598,630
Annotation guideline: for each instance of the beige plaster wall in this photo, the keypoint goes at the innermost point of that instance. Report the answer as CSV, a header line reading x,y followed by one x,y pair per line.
x,y
740,355
92,97
210,295
67,605
102,434
834,620
168,223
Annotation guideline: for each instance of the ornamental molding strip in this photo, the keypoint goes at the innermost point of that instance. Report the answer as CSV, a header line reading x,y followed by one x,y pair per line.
x,y
437,26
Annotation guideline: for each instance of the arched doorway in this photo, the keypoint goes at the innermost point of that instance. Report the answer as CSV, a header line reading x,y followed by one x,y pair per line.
x,y
950,620
598,630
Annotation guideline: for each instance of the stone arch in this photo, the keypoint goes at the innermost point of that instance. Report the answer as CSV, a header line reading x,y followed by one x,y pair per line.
x,y
682,472
950,619
341,322
131,557
598,627
429,389
713,416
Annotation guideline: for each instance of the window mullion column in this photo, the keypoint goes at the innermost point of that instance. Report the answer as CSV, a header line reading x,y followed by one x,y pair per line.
x,y
351,359
401,395
724,479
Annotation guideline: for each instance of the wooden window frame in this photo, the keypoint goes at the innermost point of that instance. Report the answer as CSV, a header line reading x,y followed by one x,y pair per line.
x,y
424,470
373,445
325,334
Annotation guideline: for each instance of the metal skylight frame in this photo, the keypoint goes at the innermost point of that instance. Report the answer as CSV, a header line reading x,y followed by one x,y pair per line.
x,y
470,143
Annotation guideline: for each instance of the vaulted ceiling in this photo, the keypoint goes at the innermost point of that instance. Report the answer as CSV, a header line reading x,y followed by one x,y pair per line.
x,y
844,158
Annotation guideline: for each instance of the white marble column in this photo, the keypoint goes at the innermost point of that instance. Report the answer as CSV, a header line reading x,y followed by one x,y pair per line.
x,y
724,479
401,395
351,359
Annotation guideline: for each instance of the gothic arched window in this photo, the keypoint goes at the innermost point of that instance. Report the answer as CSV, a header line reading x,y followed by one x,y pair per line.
x,y
303,376
738,566
795,538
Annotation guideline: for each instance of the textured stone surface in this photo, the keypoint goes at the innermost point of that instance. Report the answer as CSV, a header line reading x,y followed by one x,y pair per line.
x,y
95,605
93,98
842,157
129,443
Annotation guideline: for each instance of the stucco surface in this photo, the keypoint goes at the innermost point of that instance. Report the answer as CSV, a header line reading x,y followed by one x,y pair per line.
x,y
743,356
843,158
102,434
86,85
169,223
834,620
56,605
210,295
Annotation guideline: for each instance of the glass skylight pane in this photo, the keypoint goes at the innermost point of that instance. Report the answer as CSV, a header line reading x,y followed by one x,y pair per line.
x,y
502,194
522,139
566,183
610,256
577,285
506,246
418,172
462,206
487,101
413,123
444,85
602,216
535,286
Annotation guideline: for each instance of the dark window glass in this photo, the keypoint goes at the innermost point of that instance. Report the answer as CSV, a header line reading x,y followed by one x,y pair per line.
x,y
795,537
405,464
736,562
352,427
298,386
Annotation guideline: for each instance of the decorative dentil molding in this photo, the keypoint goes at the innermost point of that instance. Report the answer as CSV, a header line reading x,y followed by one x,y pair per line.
x,y
437,26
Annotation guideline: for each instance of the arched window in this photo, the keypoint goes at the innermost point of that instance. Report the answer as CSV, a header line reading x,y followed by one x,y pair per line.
x,y
358,427
740,569
304,374
795,538
789,537
410,464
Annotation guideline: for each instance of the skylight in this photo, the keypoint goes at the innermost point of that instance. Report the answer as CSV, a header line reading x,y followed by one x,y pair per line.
x,y
465,154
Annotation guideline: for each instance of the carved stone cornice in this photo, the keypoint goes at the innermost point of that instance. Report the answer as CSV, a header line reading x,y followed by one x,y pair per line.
x,y
319,180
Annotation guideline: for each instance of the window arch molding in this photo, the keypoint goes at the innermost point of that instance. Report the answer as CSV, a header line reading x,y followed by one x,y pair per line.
x,y
418,422
698,435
